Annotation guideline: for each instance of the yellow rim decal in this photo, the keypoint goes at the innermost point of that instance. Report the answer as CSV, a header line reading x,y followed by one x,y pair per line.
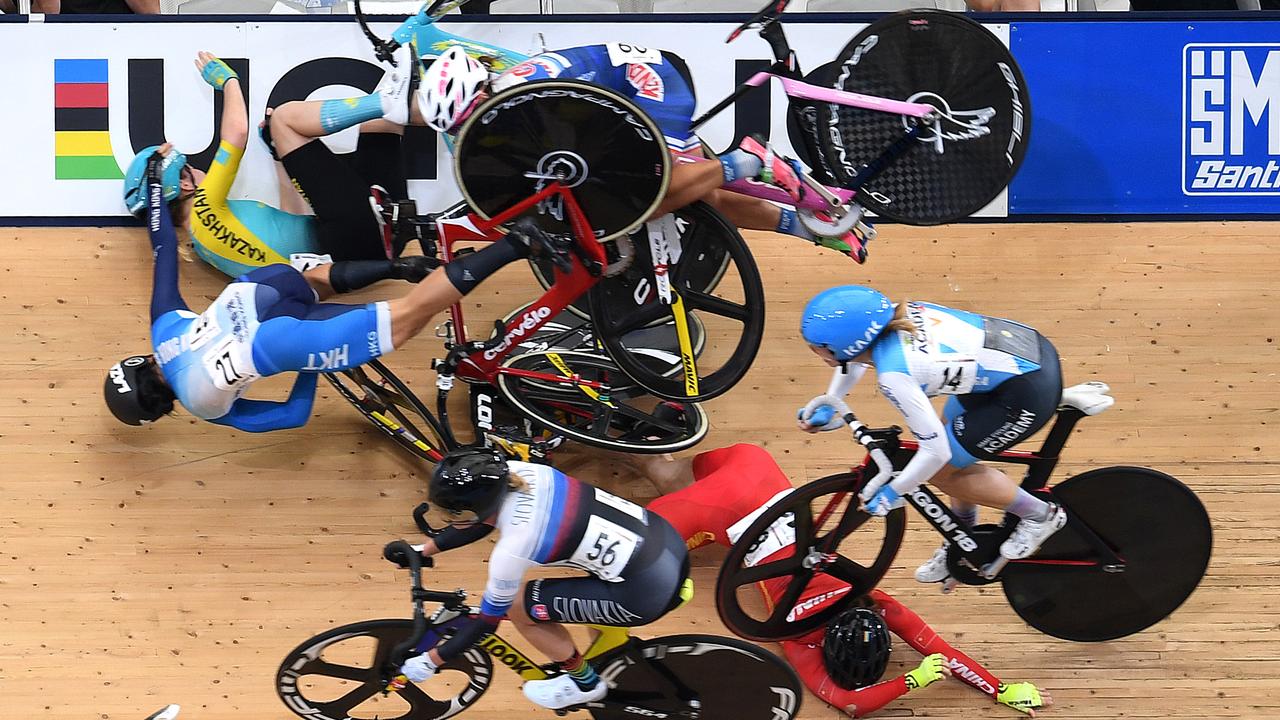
x,y
563,367
686,346
395,427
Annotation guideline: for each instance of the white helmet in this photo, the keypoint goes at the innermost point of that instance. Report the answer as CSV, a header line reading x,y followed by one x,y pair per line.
x,y
448,88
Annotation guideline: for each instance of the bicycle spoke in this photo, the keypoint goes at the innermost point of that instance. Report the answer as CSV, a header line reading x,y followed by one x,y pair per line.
x,y
715,305
342,672
641,317
851,572
417,698
769,570
798,583
691,243
601,420
345,704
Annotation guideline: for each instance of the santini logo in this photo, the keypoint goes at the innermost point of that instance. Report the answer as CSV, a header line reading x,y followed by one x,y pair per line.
x,y
1231,119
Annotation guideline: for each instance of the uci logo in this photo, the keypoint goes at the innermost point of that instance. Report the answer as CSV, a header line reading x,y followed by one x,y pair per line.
x,y
1231,119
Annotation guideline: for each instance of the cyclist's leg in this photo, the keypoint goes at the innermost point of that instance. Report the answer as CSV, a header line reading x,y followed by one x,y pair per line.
x,y
378,157
346,227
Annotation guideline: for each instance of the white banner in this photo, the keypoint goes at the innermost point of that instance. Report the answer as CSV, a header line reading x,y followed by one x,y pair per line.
x,y
94,76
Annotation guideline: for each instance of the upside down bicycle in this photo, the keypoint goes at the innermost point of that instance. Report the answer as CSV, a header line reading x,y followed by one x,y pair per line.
x,y
1136,544
353,671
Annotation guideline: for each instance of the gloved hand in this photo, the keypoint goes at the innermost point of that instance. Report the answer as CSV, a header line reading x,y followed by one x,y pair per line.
x,y
214,71
885,499
931,669
820,415
419,668
1023,697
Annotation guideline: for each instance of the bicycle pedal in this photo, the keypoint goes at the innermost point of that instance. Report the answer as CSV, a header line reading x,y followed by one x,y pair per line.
x,y
949,585
993,568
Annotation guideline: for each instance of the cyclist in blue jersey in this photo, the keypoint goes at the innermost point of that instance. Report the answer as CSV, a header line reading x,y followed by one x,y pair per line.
x,y
1004,380
270,321
636,562
454,84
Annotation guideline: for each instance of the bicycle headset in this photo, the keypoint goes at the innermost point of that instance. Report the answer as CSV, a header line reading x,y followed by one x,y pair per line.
x,y
469,481
855,648
170,177
845,319
449,88
135,393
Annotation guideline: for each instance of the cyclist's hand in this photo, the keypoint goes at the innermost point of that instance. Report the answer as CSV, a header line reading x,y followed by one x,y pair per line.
x,y
819,415
1023,697
931,669
214,71
419,669
885,499
396,556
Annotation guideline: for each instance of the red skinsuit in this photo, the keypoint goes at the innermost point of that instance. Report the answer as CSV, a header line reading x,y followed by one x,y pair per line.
x,y
732,483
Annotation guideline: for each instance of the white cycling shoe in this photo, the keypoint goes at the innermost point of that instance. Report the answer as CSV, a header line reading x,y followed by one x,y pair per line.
x,y
934,569
1029,535
168,712
399,84
561,692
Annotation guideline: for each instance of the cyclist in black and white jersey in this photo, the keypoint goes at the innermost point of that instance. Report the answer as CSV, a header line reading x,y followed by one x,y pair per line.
x,y
637,564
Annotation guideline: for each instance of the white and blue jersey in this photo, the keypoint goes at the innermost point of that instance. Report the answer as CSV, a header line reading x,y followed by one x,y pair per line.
x,y
647,76
266,322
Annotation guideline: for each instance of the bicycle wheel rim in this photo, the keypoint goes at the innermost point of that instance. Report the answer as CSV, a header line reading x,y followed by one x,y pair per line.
x,y
955,64
1154,522
308,660
731,679
798,612
618,172
575,414
400,416
734,315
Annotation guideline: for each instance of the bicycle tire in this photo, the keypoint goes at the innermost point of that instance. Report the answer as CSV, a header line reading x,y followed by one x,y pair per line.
x,y
738,572
1153,521
307,660
634,282
618,169
732,679
951,62
612,424
615,319
387,403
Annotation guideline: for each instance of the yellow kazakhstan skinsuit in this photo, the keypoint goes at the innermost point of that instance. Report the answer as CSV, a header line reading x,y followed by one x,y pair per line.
x,y
236,236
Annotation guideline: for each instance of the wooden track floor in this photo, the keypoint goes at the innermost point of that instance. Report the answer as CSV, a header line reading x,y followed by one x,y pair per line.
x,y
179,562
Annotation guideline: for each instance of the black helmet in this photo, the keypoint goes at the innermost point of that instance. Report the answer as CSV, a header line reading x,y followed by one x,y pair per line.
x,y
469,484
855,648
134,392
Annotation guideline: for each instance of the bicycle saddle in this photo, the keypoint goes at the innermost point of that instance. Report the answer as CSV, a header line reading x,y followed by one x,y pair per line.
x,y
1090,398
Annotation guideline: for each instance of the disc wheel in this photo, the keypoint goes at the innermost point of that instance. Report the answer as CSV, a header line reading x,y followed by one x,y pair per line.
x,y
615,417
634,286
391,406
731,679
594,141
338,674
732,312
1157,526
801,552
957,66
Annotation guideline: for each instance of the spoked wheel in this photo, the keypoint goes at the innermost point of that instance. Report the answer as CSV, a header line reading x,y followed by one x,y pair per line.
x,y
1157,526
337,674
593,140
731,679
733,312
633,287
957,66
612,416
392,408
657,347
804,557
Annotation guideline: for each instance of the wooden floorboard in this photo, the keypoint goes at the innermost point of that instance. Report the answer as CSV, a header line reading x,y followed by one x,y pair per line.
x,y
179,562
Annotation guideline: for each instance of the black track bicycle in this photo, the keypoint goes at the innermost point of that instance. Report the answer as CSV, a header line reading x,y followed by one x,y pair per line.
x,y
353,671
1136,544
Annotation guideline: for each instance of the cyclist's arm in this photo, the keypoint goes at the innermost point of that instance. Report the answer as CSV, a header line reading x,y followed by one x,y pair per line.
x,y
901,390
165,295
267,415
844,378
806,658
234,129
910,627
506,571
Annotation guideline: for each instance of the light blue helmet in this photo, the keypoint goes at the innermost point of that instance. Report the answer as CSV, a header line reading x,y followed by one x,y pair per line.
x,y
170,172
845,319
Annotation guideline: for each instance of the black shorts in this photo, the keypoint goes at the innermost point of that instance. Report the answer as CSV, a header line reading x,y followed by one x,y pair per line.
x,y
337,187
980,426
650,587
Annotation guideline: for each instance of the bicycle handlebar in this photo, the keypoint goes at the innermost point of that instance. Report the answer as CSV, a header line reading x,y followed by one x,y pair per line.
x,y
767,16
403,554
875,448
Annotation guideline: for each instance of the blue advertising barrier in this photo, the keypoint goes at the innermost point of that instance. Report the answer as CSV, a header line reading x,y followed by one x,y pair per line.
x,y
1151,117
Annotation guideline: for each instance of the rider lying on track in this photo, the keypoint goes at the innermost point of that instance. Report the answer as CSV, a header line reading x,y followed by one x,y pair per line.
x,y
714,496
454,84
270,321
236,236
1004,380
637,564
